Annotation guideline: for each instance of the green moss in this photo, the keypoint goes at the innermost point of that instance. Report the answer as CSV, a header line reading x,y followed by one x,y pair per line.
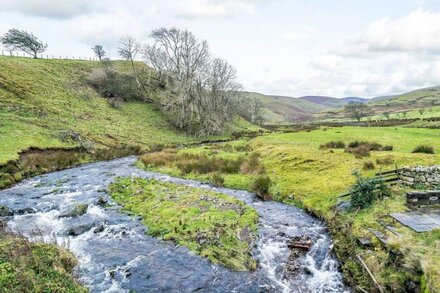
x,y
35,267
214,225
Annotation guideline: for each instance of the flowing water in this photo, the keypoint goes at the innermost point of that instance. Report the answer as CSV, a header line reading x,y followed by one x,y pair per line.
x,y
121,257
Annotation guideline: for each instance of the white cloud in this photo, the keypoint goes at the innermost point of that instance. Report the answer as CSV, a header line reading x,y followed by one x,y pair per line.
x,y
192,9
57,9
417,32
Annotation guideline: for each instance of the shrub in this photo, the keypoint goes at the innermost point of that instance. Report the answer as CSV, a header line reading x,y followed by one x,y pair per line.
x,y
362,148
252,165
158,159
360,152
368,165
333,145
217,180
424,149
387,160
365,191
261,186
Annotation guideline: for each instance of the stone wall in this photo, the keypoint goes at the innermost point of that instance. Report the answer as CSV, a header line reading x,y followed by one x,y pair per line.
x,y
424,177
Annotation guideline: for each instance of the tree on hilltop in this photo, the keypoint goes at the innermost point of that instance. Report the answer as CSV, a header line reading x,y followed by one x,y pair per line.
x,y
16,39
99,51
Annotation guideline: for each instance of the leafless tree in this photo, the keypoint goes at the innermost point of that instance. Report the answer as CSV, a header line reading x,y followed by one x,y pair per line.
x,y
128,49
202,90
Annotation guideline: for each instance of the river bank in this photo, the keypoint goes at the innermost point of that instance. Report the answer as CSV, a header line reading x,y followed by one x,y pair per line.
x,y
105,262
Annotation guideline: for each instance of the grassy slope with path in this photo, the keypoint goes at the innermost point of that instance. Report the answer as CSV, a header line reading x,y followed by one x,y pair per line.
x,y
314,178
214,225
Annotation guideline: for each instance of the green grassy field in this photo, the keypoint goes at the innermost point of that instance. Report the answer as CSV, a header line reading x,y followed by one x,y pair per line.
x,y
311,177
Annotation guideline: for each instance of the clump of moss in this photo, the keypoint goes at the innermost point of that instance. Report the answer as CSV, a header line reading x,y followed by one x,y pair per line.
x,y
213,225
35,267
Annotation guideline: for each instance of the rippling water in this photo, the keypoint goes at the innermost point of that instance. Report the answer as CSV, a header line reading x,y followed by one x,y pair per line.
x,y
122,258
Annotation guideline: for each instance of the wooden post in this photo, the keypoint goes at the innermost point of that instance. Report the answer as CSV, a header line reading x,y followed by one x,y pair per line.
x,y
370,273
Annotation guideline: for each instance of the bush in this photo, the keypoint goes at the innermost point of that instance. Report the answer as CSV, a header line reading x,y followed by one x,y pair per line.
x,y
365,191
424,149
217,180
261,186
158,159
332,145
368,165
111,84
361,151
362,148
252,165
387,160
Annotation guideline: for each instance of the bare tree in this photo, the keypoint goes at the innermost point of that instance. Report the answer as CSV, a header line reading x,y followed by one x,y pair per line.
x,y
202,90
15,39
99,51
128,49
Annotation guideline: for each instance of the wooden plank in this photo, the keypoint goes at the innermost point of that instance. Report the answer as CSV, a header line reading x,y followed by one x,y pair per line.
x,y
370,273
389,172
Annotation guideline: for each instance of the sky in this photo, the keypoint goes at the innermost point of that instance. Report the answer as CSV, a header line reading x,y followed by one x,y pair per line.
x,y
336,48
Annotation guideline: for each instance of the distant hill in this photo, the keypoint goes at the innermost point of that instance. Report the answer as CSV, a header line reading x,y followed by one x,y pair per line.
x,y
421,98
356,99
328,102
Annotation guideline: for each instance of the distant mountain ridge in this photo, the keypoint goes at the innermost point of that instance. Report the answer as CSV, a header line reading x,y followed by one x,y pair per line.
x,y
279,109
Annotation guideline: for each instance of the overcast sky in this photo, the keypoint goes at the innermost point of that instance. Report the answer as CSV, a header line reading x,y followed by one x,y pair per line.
x,y
286,47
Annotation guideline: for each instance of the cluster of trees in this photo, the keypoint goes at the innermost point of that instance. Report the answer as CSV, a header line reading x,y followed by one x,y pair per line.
x,y
199,93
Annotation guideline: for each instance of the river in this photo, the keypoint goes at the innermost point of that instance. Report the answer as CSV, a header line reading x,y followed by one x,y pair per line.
x,y
121,257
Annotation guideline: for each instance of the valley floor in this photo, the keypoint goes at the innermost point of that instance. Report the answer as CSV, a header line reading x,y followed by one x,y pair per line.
x,y
313,178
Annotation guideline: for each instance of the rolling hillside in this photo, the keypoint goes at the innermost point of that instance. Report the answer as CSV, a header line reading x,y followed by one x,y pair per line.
x,y
279,109
422,98
47,103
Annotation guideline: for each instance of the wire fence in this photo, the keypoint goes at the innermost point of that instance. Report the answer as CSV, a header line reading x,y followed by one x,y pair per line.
x,y
45,56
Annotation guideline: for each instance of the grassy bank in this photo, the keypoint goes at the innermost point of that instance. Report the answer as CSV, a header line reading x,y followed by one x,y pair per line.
x,y
306,174
213,225
35,267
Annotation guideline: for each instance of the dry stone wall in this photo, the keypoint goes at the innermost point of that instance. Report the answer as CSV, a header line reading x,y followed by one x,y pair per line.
x,y
424,177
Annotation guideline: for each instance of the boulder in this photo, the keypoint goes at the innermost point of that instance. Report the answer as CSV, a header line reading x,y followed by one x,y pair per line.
x,y
25,211
99,229
102,201
77,211
78,230
5,211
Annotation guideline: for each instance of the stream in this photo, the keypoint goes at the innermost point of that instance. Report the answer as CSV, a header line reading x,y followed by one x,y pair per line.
x,y
116,255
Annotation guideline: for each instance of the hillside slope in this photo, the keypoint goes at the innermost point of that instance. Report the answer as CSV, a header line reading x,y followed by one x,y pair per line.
x,y
421,98
279,109
44,103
